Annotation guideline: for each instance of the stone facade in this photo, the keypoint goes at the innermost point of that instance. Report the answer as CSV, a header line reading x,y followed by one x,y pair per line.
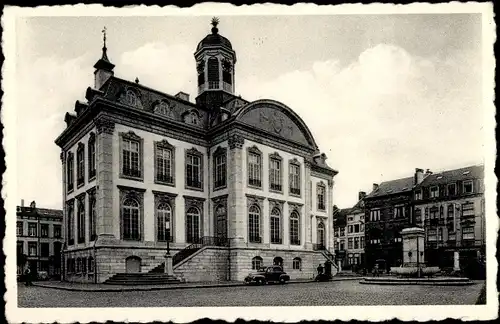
x,y
159,157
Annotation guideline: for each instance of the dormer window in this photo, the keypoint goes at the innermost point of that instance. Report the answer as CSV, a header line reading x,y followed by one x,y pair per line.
x,y
434,192
418,194
163,108
452,189
192,118
468,187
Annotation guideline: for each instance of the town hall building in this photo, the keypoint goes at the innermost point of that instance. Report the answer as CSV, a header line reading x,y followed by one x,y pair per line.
x,y
226,184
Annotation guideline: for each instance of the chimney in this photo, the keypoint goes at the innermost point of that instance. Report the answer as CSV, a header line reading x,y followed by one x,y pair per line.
x,y
375,186
361,195
428,172
22,202
183,96
419,176
33,204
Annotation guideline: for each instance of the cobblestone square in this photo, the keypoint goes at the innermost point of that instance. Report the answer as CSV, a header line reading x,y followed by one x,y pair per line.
x,y
340,293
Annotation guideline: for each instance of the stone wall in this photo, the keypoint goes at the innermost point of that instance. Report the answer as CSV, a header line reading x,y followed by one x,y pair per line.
x,y
208,264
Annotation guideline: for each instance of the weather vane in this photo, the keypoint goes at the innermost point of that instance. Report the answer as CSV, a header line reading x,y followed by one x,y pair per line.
x,y
104,33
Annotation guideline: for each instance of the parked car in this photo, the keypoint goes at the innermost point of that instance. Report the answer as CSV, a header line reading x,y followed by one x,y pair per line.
x,y
266,275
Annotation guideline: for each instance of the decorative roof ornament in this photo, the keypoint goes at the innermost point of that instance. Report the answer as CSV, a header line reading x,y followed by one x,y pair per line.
x,y
137,80
215,22
104,48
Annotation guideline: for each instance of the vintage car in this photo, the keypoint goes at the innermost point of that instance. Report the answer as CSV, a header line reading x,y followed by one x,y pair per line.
x,y
266,275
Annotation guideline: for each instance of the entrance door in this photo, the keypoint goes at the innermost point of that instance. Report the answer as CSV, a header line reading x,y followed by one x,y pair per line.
x,y
221,224
321,235
133,264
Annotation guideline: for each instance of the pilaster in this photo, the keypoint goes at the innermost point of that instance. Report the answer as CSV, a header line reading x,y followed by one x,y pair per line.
x,y
104,194
65,217
236,201
307,207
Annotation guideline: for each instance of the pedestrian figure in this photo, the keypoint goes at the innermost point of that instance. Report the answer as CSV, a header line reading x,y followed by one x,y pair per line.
x,y
375,271
28,277
320,269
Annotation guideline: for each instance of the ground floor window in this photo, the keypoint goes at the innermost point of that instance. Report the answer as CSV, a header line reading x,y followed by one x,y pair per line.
x,y
297,264
256,263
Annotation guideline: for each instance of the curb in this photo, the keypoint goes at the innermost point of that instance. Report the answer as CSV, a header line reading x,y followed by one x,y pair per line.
x,y
135,288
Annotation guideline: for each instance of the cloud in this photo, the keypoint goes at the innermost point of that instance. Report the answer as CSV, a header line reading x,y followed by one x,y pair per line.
x,y
377,118
384,114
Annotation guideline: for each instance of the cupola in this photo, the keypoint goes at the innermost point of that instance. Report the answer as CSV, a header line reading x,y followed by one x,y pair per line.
x,y
215,60
103,67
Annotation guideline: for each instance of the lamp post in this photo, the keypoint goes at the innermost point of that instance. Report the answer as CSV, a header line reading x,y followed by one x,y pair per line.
x,y
168,258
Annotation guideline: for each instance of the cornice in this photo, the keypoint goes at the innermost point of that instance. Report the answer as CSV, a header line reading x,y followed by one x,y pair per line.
x,y
127,188
164,193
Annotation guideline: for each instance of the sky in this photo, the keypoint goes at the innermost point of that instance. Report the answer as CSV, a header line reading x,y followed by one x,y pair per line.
x,y
381,94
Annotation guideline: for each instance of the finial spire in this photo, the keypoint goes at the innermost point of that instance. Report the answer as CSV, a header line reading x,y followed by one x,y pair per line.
x,y
215,22
104,48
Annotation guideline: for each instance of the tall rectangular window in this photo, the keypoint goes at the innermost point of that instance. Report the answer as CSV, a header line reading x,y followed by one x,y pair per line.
x,y
20,247
295,179
71,224
356,228
80,165
193,171
434,212
44,249
399,212
362,242
275,174
32,248
452,189
131,158
57,231
254,169
92,217
32,229
356,242
375,215
164,165
418,216
92,156
20,229
349,229
81,220
220,169
349,243
320,192
418,194
70,171
44,230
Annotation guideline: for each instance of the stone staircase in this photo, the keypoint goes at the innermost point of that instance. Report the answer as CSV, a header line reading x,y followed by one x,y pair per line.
x,y
144,278
157,275
329,256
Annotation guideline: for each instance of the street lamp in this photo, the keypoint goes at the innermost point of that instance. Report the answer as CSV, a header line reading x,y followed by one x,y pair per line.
x,y
167,228
169,271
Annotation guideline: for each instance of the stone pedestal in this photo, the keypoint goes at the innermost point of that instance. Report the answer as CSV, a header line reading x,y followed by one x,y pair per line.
x,y
413,246
169,269
456,261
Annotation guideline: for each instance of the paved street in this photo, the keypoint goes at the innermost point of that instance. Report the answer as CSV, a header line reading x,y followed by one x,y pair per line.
x,y
342,293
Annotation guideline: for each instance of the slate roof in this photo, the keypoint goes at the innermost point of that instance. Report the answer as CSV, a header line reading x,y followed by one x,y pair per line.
x,y
393,187
44,211
467,173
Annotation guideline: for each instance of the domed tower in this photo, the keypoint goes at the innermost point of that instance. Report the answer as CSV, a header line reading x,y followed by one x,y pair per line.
x,y
215,60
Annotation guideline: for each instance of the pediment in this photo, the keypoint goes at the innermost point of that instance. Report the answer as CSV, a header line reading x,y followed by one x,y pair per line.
x,y
277,120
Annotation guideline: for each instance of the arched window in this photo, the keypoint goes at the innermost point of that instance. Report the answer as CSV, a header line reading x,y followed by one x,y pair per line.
x,y
84,265
78,265
297,264
294,228
213,70
254,224
163,215
278,261
92,218
275,226
227,68
321,235
256,263
221,222
130,214
201,72
192,225
91,265
163,108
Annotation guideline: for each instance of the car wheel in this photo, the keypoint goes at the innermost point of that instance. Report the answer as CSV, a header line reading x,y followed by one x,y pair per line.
x,y
282,281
